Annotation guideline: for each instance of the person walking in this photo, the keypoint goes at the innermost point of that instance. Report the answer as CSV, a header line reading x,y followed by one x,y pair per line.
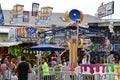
x,y
5,69
23,69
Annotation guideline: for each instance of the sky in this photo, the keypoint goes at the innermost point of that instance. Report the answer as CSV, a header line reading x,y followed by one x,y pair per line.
x,y
61,6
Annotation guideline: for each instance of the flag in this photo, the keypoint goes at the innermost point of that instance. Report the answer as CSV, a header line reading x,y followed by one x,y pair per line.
x,y
1,16
26,16
35,8
46,13
19,10
16,12
38,17
12,19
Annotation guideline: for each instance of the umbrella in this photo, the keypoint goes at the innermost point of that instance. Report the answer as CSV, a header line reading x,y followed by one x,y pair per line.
x,y
47,47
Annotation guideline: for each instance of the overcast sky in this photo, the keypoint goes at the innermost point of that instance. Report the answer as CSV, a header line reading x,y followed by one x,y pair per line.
x,y
86,6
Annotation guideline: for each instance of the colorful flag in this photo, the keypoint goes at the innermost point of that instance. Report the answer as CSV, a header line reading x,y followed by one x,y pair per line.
x,y
16,12
19,10
46,13
43,15
1,16
38,19
26,16
35,8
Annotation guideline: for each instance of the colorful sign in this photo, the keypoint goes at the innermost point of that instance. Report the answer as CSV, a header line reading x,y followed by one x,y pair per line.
x,y
16,12
44,14
28,33
106,9
35,8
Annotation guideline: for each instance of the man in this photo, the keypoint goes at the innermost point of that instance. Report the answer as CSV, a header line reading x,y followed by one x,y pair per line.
x,y
45,69
23,69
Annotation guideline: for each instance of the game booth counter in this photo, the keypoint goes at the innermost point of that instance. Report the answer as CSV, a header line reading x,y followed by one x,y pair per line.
x,y
102,71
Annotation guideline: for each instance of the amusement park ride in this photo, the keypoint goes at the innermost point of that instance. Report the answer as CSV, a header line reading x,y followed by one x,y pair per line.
x,y
75,37
77,40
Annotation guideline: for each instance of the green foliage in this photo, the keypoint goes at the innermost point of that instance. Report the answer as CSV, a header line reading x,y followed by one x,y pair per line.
x,y
14,50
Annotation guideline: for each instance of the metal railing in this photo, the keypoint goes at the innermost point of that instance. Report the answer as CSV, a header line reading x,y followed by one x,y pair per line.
x,y
67,75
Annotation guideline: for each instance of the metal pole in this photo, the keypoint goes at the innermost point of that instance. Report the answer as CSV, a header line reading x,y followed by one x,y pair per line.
x,y
77,22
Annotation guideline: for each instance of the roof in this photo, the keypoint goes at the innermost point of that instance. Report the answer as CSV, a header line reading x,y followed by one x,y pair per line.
x,y
55,19
8,44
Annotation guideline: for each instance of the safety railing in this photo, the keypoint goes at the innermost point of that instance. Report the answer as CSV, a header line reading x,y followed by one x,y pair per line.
x,y
68,75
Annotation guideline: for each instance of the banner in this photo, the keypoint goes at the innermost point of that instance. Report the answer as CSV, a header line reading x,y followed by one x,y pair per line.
x,y
26,16
16,12
46,13
38,17
43,15
35,8
19,12
28,33
1,16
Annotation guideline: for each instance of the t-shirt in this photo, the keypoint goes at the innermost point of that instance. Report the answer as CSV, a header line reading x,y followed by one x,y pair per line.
x,y
57,68
23,71
45,69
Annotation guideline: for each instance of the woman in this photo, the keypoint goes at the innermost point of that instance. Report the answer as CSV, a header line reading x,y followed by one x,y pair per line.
x,y
5,69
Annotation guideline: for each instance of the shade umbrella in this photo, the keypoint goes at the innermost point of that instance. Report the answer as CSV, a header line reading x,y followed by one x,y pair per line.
x,y
47,47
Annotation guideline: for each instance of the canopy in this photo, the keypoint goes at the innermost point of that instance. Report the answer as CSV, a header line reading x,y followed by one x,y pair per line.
x,y
8,44
47,47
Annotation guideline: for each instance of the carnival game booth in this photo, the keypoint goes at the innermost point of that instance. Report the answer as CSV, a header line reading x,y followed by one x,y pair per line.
x,y
101,71
5,48
27,35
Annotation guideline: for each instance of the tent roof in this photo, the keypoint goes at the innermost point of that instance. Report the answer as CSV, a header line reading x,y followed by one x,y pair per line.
x,y
8,44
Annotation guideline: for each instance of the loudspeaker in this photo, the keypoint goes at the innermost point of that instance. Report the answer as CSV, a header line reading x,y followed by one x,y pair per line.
x,y
74,14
